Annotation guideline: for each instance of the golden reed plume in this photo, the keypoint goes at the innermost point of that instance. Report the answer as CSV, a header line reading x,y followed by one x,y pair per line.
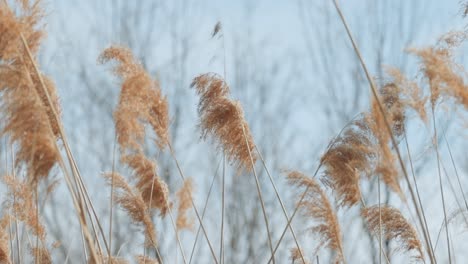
x,y
185,197
154,190
21,202
295,256
140,103
131,201
317,206
223,119
111,260
41,255
444,75
348,157
146,260
386,163
5,221
394,227
411,95
25,113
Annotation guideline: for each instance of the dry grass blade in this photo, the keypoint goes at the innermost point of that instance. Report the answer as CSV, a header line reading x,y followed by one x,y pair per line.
x,y
317,206
223,119
394,227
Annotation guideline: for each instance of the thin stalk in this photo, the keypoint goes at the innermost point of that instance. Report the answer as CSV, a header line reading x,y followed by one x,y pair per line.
x,y
436,145
177,235
109,249
380,221
387,124
456,172
16,217
9,219
425,227
193,204
203,214
221,248
159,255
36,198
260,196
280,201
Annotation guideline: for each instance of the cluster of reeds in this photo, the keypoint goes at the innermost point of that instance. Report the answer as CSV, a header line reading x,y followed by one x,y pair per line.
x,y
366,149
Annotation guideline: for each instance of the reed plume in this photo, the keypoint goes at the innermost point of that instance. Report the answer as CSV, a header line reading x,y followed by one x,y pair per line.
x,y
141,103
348,157
386,164
411,95
131,201
317,206
41,255
185,197
21,202
295,256
26,115
444,75
146,260
109,260
5,239
223,119
394,227
153,189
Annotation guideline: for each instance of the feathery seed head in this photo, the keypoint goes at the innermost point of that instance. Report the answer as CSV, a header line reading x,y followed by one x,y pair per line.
x,y
223,119
317,206
394,227
185,203
348,157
